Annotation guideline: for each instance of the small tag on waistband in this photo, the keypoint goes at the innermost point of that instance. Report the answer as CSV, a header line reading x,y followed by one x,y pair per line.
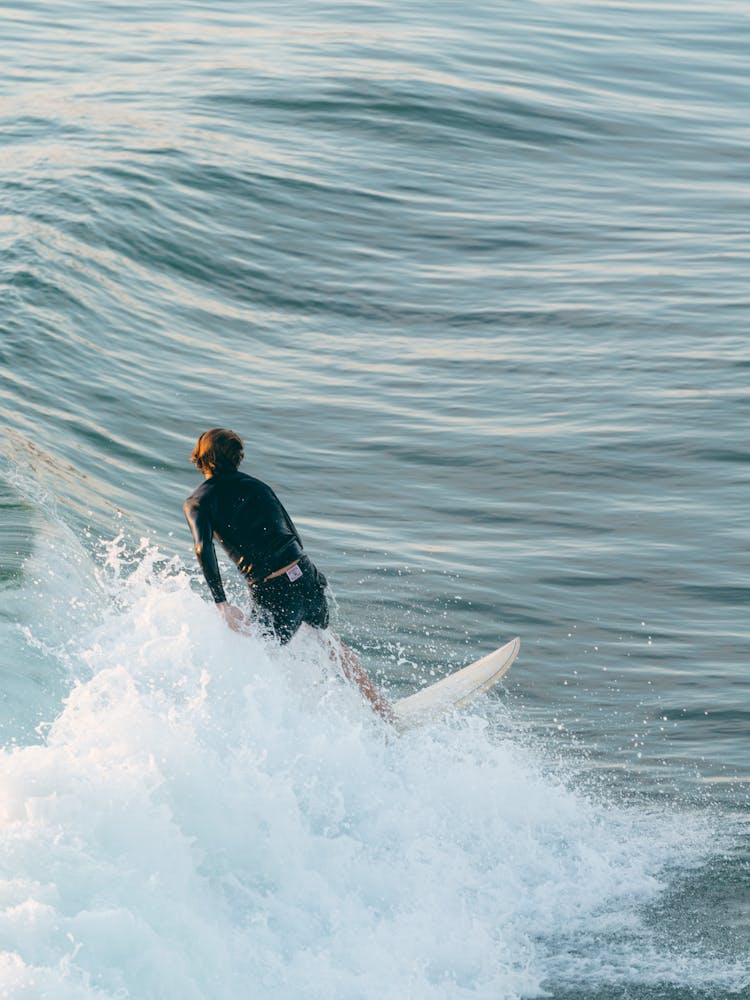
x,y
294,573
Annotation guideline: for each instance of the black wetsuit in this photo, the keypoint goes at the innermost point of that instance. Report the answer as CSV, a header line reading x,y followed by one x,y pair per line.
x,y
247,518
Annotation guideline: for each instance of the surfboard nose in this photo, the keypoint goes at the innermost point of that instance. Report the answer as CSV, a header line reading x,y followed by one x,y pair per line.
x,y
457,689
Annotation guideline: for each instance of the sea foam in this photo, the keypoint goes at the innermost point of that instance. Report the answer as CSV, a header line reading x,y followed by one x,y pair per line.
x,y
208,815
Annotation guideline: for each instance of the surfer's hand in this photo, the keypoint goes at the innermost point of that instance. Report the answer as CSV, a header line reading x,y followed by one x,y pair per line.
x,y
233,616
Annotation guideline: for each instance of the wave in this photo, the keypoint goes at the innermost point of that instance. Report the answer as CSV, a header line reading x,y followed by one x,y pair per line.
x,y
205,814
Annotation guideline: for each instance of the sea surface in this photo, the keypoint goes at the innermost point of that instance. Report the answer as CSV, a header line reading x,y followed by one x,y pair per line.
x,y
471,281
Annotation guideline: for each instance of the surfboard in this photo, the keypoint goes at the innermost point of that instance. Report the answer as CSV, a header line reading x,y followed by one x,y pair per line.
x,y
457,689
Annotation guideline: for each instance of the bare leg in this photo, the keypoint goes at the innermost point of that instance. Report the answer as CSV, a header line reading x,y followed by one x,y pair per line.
x,y
355,672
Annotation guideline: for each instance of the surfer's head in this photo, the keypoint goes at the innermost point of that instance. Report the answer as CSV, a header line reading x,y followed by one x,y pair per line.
x,y
216,451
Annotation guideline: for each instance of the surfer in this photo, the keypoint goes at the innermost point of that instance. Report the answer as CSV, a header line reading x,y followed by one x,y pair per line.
x,y
247,518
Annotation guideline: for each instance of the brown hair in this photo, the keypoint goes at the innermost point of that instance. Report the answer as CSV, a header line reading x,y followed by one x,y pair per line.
x,y
218,450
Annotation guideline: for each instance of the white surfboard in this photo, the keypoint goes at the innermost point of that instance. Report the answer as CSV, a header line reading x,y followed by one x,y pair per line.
x,y
458,688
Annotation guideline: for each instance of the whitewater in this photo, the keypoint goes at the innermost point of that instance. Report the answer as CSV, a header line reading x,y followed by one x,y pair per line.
x,y
204,814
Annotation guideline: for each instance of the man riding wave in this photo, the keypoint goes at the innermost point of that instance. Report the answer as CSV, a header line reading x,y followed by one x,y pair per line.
x,y
250,523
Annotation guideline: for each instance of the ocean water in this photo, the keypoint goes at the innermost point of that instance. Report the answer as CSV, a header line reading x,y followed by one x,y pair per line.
x,y
471,281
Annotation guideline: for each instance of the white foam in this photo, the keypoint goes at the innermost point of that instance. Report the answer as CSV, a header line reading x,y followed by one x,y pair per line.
x,y
212,817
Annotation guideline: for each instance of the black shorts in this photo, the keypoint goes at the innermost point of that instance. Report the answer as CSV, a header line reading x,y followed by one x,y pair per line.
x,y
285,604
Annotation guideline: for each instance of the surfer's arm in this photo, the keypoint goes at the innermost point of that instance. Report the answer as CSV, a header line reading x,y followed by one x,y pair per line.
x,y
199,520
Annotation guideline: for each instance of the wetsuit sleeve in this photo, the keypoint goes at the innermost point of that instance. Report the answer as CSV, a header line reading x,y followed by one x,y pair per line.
x,y
199,519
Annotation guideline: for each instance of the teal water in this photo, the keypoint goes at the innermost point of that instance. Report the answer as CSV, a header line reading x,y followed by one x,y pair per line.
x,y
471,281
